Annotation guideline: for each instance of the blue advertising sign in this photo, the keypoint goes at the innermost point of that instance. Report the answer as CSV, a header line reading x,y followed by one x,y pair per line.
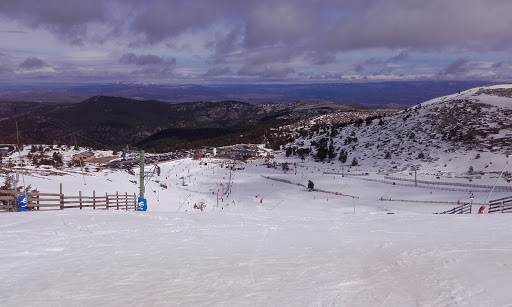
x,y
142,204
22,203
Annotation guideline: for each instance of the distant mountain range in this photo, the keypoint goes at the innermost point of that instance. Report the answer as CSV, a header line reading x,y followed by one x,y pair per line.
x,y
376,94
119,121
109,121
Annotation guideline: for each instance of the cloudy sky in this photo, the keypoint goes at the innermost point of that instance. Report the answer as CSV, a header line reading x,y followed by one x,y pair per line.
x,y
293,41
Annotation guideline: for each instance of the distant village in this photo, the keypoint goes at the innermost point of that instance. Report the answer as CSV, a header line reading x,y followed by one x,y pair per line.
x,y
234,152
130,158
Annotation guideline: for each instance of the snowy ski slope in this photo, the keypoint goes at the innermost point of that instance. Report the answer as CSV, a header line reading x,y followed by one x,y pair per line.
x,y
294,247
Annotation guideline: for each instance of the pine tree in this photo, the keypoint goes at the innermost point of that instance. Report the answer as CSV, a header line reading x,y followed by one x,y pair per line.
x,y
343,156
288,151
331,152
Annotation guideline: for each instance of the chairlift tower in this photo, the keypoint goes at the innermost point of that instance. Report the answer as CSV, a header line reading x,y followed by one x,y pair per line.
x,y
21,160
141,178
141,164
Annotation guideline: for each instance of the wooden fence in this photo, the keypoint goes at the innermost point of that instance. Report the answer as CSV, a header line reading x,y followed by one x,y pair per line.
x,y
502,205
462,209
42,201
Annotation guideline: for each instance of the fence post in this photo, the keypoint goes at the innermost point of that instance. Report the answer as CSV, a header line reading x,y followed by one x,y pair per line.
x,y
135,201
37,201
106,200
93,199
80,199
126,200
61,198
117,200
502,206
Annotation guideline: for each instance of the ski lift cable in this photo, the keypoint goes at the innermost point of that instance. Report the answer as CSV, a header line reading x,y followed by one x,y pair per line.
x,y
152,190
184,202
276,205
75,133
62,126
268,194
492,190
151,170
81,167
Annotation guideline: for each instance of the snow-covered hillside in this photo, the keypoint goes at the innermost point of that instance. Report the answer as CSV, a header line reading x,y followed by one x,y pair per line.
x,y
471,128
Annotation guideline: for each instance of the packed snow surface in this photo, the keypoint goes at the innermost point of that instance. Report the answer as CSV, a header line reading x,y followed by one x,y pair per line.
x,y
266,243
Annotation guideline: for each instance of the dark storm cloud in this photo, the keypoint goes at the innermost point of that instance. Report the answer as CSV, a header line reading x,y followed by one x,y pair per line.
x,y
224,44
313,25
359,68
67,19
423,24
157,20
281,22
379,65
456,67
217,71
160,19
399,57
32,63
498,65
384,71
265,38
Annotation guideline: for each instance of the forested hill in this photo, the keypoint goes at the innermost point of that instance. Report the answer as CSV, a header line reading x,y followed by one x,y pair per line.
x,y
119,121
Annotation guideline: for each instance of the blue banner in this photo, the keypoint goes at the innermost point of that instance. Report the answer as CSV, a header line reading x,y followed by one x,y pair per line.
x,y
22,203
142,204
